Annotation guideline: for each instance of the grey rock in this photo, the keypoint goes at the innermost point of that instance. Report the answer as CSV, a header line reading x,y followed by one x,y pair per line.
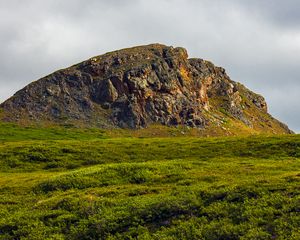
x,y
135,87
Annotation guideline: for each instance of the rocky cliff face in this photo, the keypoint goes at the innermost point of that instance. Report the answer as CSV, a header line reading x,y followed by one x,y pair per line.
x,y
136,87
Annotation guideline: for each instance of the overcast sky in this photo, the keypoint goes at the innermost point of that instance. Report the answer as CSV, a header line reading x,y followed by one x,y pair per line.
x,y
257,41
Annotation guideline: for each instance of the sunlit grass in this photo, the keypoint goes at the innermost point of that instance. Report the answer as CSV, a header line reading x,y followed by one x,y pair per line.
x,y
87,185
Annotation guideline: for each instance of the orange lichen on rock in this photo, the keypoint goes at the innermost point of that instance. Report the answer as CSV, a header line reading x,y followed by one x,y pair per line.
x,y
184,73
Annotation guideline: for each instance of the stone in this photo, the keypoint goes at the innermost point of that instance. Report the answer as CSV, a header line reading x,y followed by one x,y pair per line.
x,y
136,87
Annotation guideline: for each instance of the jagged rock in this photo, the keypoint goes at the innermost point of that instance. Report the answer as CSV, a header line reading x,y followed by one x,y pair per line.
x,y
135,87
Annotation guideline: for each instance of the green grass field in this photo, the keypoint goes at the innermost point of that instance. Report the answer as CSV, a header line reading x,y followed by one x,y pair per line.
x,y
62,183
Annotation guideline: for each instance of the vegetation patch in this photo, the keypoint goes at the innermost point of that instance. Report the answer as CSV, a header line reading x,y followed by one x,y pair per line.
x,y
87,185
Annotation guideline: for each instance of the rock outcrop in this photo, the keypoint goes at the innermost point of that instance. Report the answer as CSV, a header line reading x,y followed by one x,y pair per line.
x,y
136,87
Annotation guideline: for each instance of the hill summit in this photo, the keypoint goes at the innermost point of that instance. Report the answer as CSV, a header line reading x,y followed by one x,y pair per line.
x,y
142,86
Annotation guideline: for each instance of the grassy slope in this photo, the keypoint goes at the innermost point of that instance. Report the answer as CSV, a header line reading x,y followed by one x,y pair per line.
x,y
90,184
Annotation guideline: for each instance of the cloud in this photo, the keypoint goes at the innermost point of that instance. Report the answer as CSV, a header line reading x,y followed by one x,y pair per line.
x,y
283,14
258,42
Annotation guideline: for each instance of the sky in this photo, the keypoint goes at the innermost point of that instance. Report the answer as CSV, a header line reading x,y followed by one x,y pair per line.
x,y
257,41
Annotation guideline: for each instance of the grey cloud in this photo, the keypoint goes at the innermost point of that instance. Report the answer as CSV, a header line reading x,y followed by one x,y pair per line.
x,y
258,42
281,13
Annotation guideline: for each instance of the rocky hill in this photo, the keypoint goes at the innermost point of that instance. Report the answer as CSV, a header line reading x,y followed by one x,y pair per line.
x,y
142,86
